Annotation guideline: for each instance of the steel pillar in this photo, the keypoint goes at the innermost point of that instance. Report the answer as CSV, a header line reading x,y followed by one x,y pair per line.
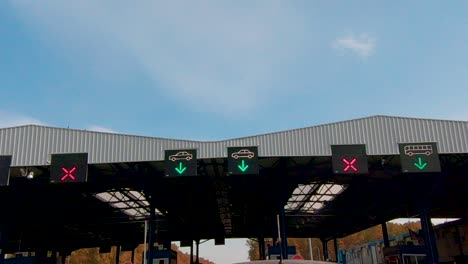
x,y
63,257
385,235
311,252
151,237
191,253
261,248
197,243
335,244
459,240
54,256
284,239
325,249
275,234
145,249
3,242
117,255
429,237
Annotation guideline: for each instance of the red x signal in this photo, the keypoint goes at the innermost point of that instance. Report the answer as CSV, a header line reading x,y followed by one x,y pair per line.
x,y
349,164
68,173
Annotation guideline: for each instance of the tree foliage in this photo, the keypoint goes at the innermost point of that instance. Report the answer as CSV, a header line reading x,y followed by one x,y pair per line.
x,y
92,256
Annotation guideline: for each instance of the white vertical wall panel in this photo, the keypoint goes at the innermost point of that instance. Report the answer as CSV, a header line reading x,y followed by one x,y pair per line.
x,y
32,145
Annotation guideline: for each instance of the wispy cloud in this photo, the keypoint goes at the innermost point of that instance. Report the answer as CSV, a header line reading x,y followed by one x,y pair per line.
x,y
9,119
100,129
212,55
362,45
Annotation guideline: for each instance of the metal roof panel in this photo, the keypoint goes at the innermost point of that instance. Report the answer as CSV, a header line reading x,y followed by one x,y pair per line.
x,y
32,144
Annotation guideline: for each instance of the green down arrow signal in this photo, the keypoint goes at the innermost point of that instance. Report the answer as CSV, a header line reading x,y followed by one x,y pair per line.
x,y
244,167
181,169
421,164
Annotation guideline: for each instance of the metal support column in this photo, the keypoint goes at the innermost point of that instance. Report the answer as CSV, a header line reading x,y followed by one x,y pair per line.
x,y
117,255
429,237
197,260
325,249
3,242
41,253
275,237
337,249
63,257
191,253
54,256
145,248
311,252
151,237
284,239
385,235
458,238
261,248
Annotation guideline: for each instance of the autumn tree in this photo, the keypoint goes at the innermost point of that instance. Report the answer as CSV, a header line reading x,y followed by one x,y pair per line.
x,y
92,256
365,236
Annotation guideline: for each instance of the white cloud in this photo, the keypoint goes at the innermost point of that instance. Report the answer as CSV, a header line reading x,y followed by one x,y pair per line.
x,y
212,55
8,119
363,45
100,129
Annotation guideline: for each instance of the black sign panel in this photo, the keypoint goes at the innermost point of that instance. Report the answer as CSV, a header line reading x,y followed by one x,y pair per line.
x,y
419,157
349,159
243,160
69,167
181,162
5,162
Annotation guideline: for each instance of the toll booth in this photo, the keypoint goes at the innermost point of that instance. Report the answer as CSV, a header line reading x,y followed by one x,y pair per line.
x,y
405,254
275,252
164,256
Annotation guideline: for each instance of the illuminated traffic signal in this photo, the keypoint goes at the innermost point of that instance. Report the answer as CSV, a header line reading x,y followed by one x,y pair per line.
x,y
181,162
243,160
69,168
349,159
419,157
5,163
350,165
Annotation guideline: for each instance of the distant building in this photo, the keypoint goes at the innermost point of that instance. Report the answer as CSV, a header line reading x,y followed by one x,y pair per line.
x,y
452,241
372,252
452,244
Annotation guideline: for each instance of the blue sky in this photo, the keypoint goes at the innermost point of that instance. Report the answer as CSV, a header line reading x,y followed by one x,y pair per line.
x,y
211,70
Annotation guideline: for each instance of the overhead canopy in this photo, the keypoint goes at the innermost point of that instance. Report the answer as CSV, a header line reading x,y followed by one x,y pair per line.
x,y
126,173
32,145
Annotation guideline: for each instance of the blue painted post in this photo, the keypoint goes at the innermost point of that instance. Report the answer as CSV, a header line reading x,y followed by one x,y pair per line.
x,y
325,249
3,242
385,235
429,237
117,255
335,243
151,237
284,239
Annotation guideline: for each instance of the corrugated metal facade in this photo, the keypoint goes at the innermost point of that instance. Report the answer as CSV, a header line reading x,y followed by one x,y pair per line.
x,y
31,145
